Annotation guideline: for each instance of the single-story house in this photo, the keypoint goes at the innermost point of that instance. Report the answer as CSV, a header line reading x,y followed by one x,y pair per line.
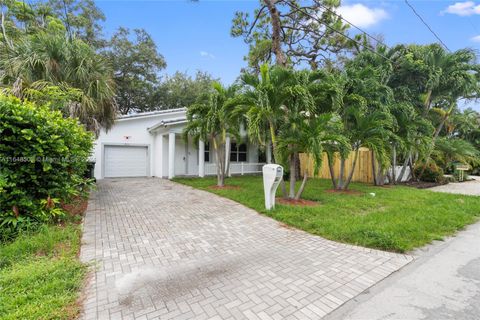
x,y
152,144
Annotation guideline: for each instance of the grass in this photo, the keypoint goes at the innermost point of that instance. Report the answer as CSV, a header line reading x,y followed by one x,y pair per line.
x,y
396,219
40,275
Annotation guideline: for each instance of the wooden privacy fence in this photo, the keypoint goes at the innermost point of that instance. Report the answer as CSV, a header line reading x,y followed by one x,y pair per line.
x,y
363,169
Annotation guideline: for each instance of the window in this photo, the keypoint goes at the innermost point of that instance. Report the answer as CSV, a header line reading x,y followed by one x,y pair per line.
x,y
207,152
238,152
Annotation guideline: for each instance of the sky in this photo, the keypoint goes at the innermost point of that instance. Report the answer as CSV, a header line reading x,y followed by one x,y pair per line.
x,y
196,35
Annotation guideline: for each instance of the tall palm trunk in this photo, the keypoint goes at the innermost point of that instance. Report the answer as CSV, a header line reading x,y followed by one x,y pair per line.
x,y
435,137
404,167
220,161
394,165
427,102
350,176
332,171
293,180
341,176
302,186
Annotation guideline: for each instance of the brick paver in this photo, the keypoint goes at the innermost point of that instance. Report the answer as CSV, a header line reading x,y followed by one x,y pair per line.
x,y
161,250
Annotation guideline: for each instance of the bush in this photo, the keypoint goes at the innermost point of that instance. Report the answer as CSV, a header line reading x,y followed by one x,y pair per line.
x,y
432,172
42,160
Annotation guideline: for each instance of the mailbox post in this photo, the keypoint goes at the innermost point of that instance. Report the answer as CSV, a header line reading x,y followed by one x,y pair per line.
x,y
272,176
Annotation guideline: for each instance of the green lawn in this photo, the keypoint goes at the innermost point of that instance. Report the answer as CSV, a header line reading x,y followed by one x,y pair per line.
x,y
395,219
40,275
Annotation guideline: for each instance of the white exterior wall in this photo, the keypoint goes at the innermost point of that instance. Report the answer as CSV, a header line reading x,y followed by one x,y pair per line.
x,y
136,129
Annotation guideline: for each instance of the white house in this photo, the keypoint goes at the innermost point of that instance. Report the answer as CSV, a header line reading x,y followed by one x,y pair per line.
x,y
152,145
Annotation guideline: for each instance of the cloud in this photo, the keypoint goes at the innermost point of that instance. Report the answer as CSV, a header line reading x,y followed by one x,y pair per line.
x,y
361,15
207,54
463,9
476,38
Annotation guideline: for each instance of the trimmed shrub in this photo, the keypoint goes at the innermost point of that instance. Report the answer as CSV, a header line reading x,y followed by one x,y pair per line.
x,y
432,172
42,159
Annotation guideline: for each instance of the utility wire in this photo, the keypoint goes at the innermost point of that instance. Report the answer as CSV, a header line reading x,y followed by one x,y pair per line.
x,y
356,27
341,33
426,24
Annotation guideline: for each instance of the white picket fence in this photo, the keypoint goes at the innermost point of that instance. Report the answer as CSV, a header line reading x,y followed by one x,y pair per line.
x,y
236,168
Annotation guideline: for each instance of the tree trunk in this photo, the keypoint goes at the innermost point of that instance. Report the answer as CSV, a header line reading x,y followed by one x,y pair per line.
x,y
380,176
293,179
412,172
276,33
435,136
394,164
220,162
332,172
404,168
284,189
298,173
426,103
374,169
341,176
350,176
302,186
227,158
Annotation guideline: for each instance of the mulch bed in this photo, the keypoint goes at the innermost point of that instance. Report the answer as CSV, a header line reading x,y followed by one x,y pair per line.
x,y
299,203
226,187
349,192
77,206
423,184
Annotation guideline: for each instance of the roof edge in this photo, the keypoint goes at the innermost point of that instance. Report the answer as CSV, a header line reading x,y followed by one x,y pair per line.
x,y
150,114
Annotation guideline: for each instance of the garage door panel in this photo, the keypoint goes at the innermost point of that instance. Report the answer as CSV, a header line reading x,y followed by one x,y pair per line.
x,y
125,161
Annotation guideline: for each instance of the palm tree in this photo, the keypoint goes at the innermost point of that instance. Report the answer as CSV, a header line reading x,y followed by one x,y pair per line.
x,y
49,59
262,101
449,150
213,118
459,79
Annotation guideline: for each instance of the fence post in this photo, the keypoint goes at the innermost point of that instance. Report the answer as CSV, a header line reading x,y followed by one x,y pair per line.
x,y
241,168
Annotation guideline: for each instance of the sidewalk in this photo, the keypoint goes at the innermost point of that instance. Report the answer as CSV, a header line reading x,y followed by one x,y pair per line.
x,y
442,283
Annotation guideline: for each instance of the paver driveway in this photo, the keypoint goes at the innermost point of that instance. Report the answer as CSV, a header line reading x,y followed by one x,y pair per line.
x,y
164,250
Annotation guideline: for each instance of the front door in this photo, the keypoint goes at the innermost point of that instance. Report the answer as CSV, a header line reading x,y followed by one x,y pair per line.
x,y
180,157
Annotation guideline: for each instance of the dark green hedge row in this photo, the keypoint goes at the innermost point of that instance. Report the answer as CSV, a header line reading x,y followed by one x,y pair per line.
x,y
42,159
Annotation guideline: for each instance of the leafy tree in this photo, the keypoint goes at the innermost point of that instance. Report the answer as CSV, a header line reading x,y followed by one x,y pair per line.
x,y
82,18
212,119
293,32
181,90
136,64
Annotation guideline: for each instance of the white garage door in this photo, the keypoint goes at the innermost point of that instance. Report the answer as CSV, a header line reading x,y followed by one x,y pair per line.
x,y
125,161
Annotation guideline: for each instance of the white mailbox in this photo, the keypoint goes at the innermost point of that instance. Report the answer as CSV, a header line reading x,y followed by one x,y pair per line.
x,y
272,176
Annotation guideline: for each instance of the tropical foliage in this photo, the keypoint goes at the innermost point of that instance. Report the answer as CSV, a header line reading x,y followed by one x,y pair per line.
x,y
39,53
43,158
371,102
212,120
402,102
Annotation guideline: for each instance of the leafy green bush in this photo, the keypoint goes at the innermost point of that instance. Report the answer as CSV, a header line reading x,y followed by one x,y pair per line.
x,y
432,172
42,160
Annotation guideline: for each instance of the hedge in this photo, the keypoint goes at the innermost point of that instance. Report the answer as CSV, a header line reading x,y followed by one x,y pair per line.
x,y
42,159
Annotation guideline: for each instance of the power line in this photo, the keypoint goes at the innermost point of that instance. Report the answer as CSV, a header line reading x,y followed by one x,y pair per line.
x,y
426,24
356,27
341,33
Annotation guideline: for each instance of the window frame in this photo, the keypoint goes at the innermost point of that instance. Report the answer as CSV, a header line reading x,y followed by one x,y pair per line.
x,y
235,152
